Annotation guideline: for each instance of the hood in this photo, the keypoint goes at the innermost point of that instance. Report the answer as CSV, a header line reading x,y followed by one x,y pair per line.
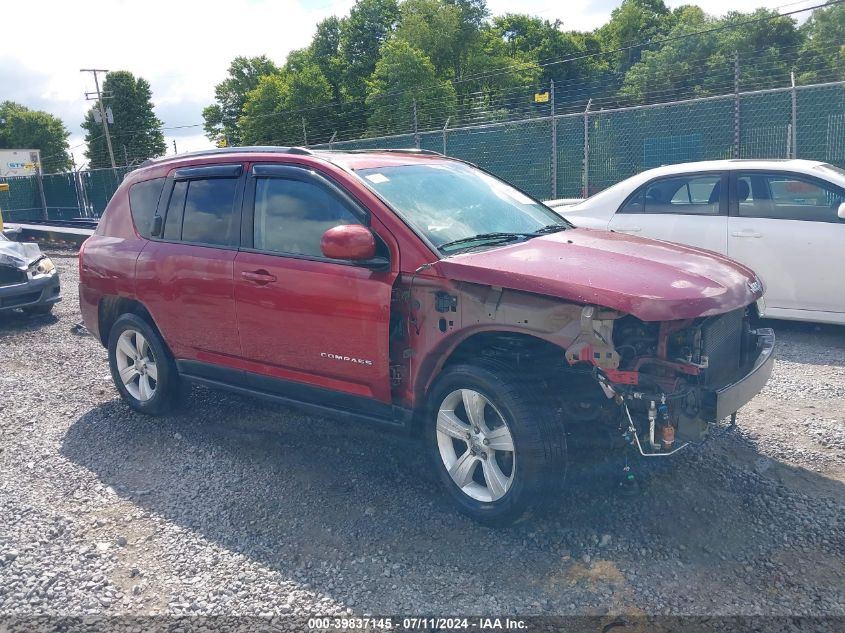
x,y
18,254
650,279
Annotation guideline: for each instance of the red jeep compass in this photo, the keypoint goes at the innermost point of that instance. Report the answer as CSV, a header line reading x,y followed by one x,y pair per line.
x,y
411,289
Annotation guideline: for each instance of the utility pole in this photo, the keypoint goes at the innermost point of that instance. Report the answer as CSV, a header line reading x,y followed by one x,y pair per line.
x,y
174,147
102,109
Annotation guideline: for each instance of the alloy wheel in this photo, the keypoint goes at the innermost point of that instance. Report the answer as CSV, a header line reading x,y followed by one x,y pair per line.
x,y
136,365
475,445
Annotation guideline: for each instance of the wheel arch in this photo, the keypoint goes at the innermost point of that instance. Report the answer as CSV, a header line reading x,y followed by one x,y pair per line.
x,y
110,308
512,345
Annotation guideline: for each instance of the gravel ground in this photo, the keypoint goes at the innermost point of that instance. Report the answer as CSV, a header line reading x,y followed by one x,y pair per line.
x,y
237,507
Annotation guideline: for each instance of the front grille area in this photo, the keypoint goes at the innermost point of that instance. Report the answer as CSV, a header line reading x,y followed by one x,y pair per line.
x,y
721,342
9,276
19,300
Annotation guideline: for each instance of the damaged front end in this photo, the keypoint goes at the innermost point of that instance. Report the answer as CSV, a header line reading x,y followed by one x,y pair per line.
x,y
28,278
673,380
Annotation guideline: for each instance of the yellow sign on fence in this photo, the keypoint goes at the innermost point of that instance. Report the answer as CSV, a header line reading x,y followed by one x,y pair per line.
x,y
541,97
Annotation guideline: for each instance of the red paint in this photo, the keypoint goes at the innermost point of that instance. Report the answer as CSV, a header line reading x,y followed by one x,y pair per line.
x,y
350,241
283,316
654,281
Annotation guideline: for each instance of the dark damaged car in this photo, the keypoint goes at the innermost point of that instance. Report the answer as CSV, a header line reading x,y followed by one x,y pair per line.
x,y
419,292
28,278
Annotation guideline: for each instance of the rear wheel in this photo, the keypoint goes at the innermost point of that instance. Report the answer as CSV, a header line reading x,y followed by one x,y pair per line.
x,y
141,366
496,446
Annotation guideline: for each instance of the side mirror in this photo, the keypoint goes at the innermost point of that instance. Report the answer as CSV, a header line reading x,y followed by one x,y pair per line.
x,y
841,212
351,242
155,230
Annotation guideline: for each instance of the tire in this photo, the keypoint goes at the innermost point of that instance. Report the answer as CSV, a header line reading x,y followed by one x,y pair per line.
x,y
152,384
532,472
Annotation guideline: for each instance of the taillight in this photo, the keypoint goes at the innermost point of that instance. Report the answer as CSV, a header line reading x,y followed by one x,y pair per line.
x,y
81,267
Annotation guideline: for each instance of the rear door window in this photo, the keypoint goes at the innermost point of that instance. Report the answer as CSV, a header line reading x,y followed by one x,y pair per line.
x,y
687,195
202,211
209,216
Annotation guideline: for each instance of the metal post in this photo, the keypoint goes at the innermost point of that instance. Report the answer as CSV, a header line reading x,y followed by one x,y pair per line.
x,y
40,182
586,190
736,105
94,71
416,129
554,143
445,126
331,140
789,140
125,156
304,133
794,130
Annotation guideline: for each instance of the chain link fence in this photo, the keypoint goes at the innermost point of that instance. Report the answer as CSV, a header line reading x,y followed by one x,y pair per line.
x,y
554,155
578,154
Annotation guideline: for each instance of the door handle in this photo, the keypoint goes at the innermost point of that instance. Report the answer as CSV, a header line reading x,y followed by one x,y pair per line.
x,y
746,233
260,277
628,229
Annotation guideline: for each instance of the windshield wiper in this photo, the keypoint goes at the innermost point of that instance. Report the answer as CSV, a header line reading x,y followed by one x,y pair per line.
x,y
550,228
488,237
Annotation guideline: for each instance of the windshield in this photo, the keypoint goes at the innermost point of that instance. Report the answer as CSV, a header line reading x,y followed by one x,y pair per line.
x,y
451,203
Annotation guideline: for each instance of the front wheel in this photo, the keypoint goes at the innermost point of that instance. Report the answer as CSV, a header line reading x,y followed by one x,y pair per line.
x,y
496,445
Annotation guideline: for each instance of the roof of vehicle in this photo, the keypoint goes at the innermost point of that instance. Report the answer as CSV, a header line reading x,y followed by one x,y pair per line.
x,y
350,159
796,164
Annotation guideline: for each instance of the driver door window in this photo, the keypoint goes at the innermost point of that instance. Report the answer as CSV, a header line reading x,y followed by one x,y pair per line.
x,y
292,215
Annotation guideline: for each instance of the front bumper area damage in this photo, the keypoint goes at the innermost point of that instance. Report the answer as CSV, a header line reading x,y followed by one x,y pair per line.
x,y
672,382
28,279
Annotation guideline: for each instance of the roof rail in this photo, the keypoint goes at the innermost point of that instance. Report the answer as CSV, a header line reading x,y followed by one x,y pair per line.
x,y
268,149
409,150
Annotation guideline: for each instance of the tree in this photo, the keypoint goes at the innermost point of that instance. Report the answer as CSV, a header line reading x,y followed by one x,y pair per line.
x,y
402,76
22,128
221,118
822,55
473,13
274,112
369,24
434,28
631,23
136,127
676,68
767,45
325,52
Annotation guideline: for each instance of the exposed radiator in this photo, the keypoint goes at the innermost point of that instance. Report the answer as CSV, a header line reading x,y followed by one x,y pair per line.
x,y
721,342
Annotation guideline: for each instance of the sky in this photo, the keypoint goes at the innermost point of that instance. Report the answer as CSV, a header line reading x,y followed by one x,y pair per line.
x,y
183,47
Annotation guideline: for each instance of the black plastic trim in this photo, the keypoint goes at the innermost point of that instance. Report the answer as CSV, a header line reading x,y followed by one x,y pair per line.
x,y
316,400
233,170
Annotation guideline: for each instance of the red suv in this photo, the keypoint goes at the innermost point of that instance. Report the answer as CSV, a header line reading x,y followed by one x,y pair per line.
x,y
421,292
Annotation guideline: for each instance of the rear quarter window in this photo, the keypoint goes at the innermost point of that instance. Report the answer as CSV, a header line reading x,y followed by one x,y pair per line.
x,y
143,201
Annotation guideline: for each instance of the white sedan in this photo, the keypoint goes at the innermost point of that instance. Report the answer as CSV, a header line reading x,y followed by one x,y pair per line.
x,y
785,219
